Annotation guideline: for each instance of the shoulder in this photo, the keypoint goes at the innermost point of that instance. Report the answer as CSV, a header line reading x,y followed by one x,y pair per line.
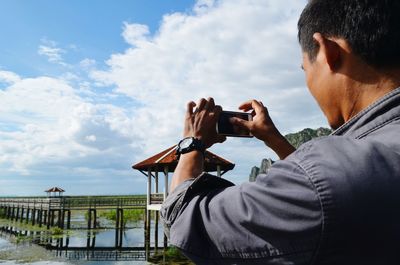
x,y
341,155
332,153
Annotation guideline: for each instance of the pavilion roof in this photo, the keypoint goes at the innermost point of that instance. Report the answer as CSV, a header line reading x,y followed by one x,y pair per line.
x,y
55,189
169,158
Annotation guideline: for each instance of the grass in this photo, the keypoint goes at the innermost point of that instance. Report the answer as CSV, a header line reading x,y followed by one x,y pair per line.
x,y
56,231
173,256
131,215
2,213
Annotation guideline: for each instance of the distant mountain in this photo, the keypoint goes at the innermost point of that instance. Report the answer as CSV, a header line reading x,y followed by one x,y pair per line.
x,y
295,139
299,138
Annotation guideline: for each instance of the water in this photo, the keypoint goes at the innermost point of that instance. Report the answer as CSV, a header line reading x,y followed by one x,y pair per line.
x,y
30,245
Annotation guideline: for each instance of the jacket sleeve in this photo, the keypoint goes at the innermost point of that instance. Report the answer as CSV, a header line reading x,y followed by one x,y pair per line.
x,y
275,220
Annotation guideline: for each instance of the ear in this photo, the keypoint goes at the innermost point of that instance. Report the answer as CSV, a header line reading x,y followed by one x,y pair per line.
x,y
329,51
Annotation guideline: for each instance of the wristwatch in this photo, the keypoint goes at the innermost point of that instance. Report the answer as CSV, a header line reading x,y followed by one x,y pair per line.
x,y
190,144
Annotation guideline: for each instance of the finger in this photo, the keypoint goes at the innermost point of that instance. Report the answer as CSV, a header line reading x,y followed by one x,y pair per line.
x,y
240,122
215,113
221,139
210,104
217,110
189,108
252,104
200,105
257,106
245,106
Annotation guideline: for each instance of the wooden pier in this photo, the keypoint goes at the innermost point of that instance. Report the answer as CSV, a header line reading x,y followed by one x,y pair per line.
x,y
61,247
56,211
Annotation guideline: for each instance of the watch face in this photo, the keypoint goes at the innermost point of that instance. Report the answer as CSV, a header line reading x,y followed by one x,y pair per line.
x,y
185,143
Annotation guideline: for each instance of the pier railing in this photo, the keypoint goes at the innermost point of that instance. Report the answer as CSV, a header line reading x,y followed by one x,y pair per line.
x,y
81,202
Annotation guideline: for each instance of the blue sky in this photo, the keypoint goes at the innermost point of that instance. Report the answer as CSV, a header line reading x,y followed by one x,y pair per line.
x,y
91,28
87,88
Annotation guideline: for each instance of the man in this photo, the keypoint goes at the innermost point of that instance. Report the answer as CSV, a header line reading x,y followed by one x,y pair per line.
x,y
335,200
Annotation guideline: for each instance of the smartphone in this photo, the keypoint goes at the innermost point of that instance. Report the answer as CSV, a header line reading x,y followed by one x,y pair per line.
x,y
225,127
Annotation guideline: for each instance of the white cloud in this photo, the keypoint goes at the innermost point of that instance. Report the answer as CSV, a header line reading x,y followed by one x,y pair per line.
x,y
232,50
9,77
51,50
48,122
87,63
135,34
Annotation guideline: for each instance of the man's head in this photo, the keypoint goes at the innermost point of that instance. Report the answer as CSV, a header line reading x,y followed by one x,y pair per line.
x,y
347,43
371,28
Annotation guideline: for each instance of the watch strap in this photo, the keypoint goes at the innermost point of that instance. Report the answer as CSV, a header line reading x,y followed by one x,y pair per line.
x,y
196,144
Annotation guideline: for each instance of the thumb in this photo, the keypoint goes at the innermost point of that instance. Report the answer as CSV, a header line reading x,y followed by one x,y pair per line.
x,y
221,139
240,122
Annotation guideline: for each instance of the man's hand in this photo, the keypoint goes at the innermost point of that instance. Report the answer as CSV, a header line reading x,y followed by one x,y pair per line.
x,y
201,123
263,128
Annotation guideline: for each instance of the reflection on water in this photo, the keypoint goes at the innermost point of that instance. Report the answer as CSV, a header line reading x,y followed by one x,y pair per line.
x,y
87,245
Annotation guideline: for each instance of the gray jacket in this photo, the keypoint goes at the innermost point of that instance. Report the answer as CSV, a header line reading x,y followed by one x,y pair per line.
x,y
336,200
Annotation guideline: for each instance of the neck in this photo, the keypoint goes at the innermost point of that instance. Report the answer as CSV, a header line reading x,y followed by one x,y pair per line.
x,y
364,93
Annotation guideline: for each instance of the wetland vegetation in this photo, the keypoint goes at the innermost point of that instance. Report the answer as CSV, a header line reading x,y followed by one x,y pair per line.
x,y
28,243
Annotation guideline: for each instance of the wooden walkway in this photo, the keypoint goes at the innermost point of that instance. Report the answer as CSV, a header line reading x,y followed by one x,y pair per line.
x,y
56,211
61,248
103,253
81,202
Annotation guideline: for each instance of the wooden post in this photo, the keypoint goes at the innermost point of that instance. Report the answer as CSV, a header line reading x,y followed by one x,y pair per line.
x,y
45,217
12,213
219,171
117,220
22,215
62,219
166,186
17,216
67,242
40,216
27,214
59,218
89,225
166,183
52,218
148,219
165,242
33,216
148,229
156,231
147,235
94,218
156,181
48,222
118,228
93,240
121,227
149,186
88,236
69,220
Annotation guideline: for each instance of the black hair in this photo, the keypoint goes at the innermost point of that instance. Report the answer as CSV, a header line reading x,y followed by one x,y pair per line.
x,y
370,27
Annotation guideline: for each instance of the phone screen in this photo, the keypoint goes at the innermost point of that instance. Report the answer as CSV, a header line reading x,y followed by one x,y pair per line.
x,y
225,127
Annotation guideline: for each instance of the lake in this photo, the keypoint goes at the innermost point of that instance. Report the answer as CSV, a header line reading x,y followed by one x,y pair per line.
x,y
21,243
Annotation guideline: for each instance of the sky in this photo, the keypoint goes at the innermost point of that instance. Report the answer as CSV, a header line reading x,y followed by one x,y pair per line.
x,y
88,88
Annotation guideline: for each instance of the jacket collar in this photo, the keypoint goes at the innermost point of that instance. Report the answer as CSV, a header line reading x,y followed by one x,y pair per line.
x,y
381,112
